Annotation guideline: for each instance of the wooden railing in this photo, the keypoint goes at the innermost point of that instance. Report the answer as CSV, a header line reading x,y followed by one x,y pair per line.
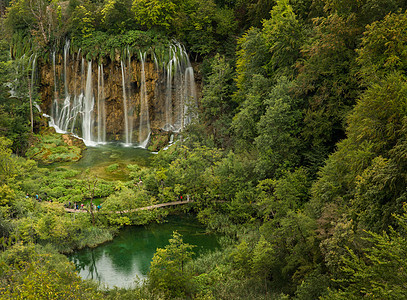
x,y
71,210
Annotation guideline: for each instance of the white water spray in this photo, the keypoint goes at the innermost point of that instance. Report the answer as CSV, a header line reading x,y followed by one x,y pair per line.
x,y
101,120
125,108
88,104
144,129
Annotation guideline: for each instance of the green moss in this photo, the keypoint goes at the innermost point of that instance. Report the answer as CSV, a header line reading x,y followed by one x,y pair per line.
x,y
100,44
112,168
51,148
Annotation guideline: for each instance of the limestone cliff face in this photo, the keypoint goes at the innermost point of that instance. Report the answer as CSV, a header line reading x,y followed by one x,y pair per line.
x,y
64,83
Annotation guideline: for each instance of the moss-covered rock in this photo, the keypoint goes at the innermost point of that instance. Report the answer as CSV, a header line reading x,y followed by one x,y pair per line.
x,y
159,139
55,147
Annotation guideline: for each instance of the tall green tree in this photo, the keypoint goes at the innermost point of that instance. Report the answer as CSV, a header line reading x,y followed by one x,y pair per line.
x,y
383,47
117,16
14,100
367,169
154,13
167,273
378,271
283,34
217,104
278,142
328,84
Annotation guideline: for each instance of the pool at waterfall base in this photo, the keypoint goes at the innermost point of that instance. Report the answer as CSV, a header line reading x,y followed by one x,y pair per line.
x,y
127,258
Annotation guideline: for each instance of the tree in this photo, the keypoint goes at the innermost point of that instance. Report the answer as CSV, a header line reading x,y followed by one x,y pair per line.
x,y
252,107
379,270
167,273
217,104
283,36
365,11
262,260
204,27
82,22
278,141
117,16
384,47
154,13
7,163
90,185
254,11
251,56
327,84
367,170
14,111
35,272
288,193
39,18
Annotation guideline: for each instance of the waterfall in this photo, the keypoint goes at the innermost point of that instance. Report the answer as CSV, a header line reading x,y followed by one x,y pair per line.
x,y
82,103
128,87
180,90
65,113
101,121
77,100
190,103
144,129
168,95
66,59
88,104
54,110
125,112
76,114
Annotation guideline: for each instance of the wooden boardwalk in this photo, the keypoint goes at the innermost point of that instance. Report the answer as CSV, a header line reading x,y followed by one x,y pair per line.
x,y
70,210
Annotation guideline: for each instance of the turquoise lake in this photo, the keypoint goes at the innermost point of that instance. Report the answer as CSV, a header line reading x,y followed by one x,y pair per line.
x,y
128,257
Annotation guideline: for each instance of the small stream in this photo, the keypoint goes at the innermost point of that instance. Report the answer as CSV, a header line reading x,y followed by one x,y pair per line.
x,y
128,256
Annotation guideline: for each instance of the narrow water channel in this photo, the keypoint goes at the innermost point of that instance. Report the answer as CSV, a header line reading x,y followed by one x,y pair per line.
x,y
128,256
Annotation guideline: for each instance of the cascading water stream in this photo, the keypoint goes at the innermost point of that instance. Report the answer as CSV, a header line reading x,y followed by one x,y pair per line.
x,y
77,99
190,103
54,110
190,95
168,93
83,105
125,109
88,104
179,92
101,120
128,86
144,130
65,113
180,95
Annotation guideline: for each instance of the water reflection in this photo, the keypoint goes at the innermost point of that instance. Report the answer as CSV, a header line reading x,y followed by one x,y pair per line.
x,y
128,256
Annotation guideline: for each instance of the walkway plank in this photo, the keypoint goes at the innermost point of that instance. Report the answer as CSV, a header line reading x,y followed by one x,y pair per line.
x,y
70,210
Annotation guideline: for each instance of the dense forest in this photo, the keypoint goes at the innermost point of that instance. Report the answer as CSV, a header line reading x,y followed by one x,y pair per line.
x,y
298,156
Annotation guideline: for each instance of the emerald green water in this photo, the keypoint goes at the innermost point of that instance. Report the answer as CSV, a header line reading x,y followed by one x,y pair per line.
x,y
128,256
113,153
98,159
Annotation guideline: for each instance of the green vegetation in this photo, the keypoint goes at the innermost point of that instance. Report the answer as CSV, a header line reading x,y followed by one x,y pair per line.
x,y
167,274
112,168
36,272
50,148
298,158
